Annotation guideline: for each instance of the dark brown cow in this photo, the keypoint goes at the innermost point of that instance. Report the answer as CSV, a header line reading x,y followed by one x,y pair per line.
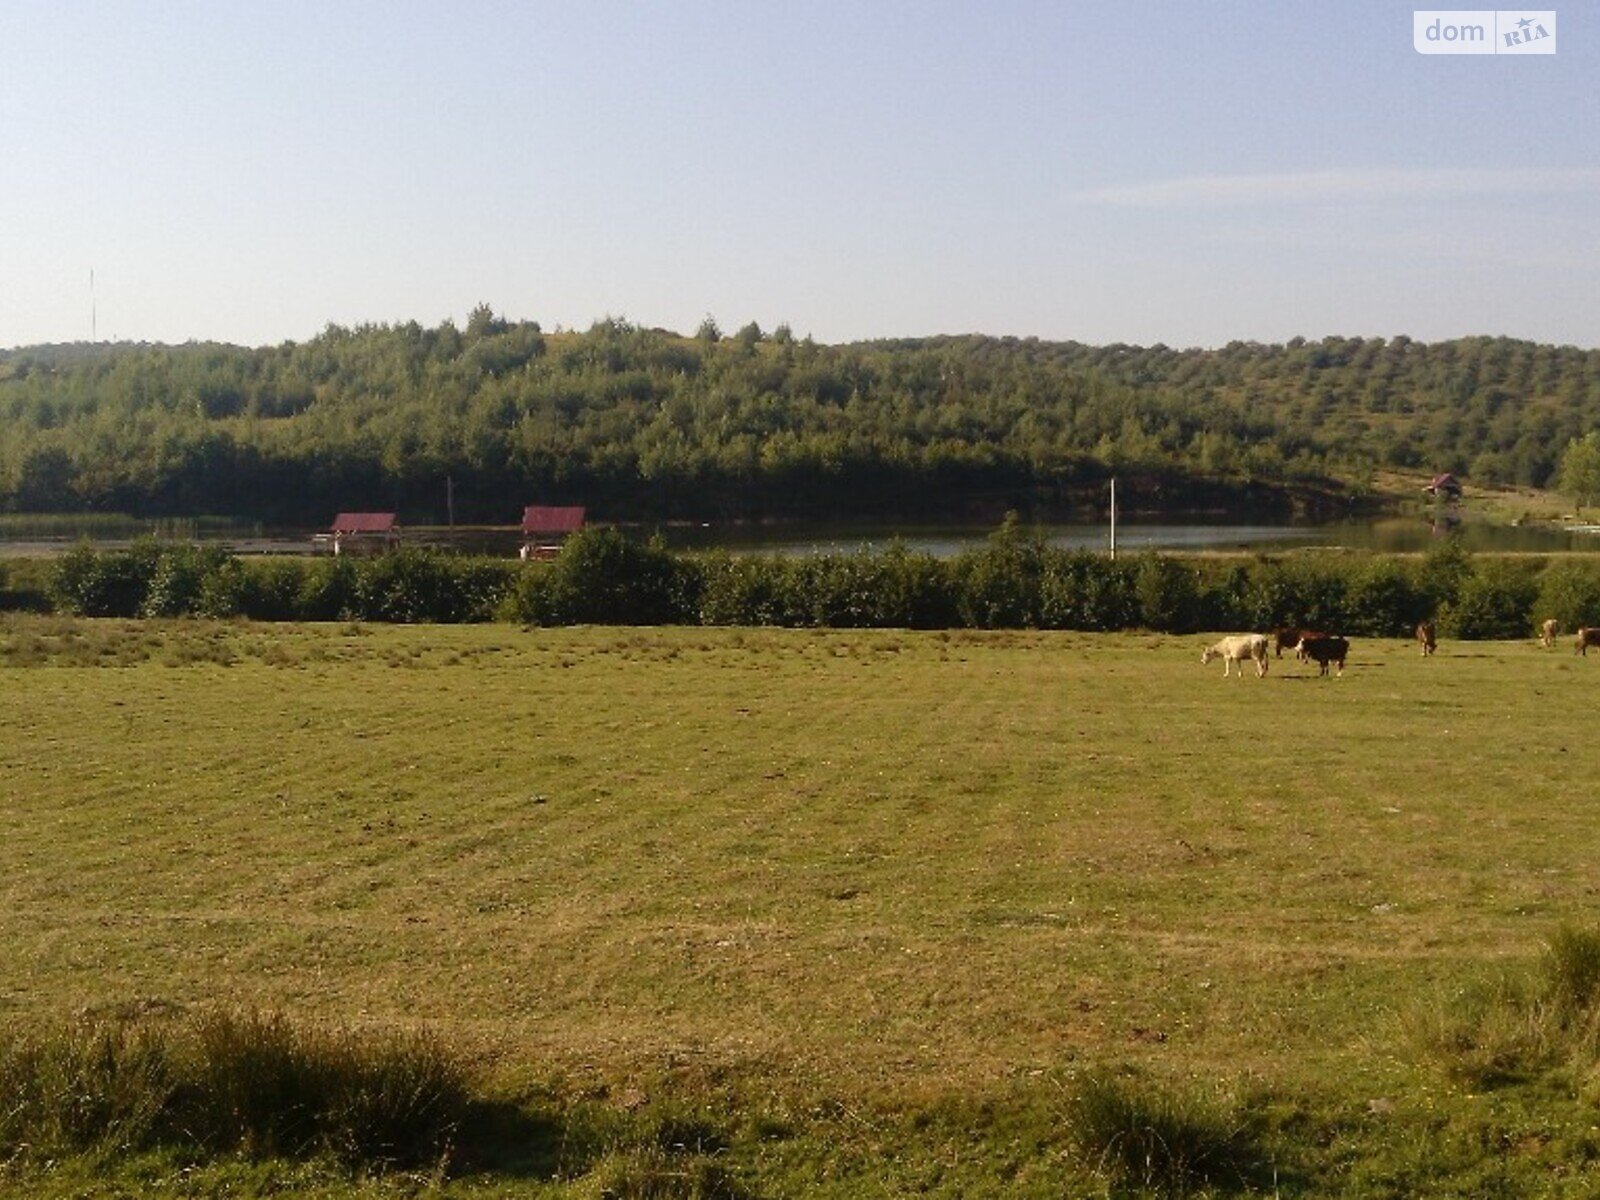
x,y
1586,637
1426,638
1289,639
1325,650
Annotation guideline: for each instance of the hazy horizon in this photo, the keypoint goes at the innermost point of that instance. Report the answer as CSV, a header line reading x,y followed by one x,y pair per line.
x,y
728,331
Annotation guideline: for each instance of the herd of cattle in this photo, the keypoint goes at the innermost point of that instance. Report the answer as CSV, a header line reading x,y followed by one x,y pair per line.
x,y
1326,649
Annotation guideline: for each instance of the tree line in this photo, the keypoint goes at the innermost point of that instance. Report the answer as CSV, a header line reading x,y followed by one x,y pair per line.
x,y
645,423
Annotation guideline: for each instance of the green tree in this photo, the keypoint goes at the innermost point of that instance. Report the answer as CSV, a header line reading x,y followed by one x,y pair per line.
x,y
481,322
1580,469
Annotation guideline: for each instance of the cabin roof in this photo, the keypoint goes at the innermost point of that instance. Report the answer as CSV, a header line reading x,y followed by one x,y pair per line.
x,y
538,518
363,522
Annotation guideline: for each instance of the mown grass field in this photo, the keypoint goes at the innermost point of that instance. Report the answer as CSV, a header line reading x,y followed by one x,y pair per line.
x,y
890,892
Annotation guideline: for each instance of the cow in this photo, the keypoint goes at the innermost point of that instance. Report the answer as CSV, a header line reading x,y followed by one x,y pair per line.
x,y
1547,633
1235,650
1325,650
1426,638
1289,639
1586,637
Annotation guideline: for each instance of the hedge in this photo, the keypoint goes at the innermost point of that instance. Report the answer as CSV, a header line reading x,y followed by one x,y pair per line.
x,y
1015,581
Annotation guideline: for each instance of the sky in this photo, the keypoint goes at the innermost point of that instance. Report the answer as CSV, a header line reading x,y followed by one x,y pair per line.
x,y
1146,172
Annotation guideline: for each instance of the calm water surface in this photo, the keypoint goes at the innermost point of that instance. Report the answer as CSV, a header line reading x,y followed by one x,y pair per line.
x,y
1391,534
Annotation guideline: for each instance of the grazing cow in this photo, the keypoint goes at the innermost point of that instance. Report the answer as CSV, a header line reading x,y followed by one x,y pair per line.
x,y
1426,638
1586,637
1547,633
1235,650
1289,639
1325,650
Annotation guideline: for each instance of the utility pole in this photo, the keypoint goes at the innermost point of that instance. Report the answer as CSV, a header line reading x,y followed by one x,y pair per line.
x,y
1113,518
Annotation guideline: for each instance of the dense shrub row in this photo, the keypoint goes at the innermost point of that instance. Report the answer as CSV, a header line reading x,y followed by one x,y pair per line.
x,y
153,579
1016,581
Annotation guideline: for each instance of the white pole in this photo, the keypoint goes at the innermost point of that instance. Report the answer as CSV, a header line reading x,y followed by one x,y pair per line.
x,y
1113,518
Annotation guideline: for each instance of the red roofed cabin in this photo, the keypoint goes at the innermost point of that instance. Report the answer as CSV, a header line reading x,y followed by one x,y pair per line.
x,y
1444,487
545,528
363,533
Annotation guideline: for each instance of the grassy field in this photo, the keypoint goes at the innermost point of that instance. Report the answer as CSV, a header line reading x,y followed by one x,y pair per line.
x,y
866,905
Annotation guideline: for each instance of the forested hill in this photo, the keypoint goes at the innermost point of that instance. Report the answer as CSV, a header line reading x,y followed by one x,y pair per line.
x,y
645,423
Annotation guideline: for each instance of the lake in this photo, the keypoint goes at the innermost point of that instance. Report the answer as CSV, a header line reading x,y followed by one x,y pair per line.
x,y
1389,534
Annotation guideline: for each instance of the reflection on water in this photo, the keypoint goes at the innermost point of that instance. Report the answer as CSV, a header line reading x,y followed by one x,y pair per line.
x,y
1390,534
1393,534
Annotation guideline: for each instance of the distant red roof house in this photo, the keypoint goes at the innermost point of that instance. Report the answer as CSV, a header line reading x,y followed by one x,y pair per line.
x,y
360,533
359,522
1444,485
544,527
540,519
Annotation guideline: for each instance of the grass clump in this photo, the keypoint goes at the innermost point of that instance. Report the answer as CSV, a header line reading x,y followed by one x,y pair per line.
x,y
92,1086
1571,972
1172,1142
664,1173
270,1087
231,1082
1485,1035
1514,1028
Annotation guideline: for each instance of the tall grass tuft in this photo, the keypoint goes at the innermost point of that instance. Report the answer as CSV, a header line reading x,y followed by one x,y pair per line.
x,y
1517,1026
1485,1035
1142,1136
90,1086
243,1082
268,1087
1571,969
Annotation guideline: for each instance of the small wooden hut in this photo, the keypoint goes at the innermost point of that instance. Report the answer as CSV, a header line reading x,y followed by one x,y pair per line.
x,y
362,533
1444,487
545,528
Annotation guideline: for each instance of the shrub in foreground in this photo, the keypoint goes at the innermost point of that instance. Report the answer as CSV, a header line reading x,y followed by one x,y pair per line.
x,y
412,585
1168,592
1494,600
178,585
1382,599
1086,591
603,577
113,584
1569,592
997,586
25,585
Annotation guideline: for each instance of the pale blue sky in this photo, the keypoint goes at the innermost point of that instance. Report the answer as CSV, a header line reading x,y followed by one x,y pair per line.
x,y
1178,172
